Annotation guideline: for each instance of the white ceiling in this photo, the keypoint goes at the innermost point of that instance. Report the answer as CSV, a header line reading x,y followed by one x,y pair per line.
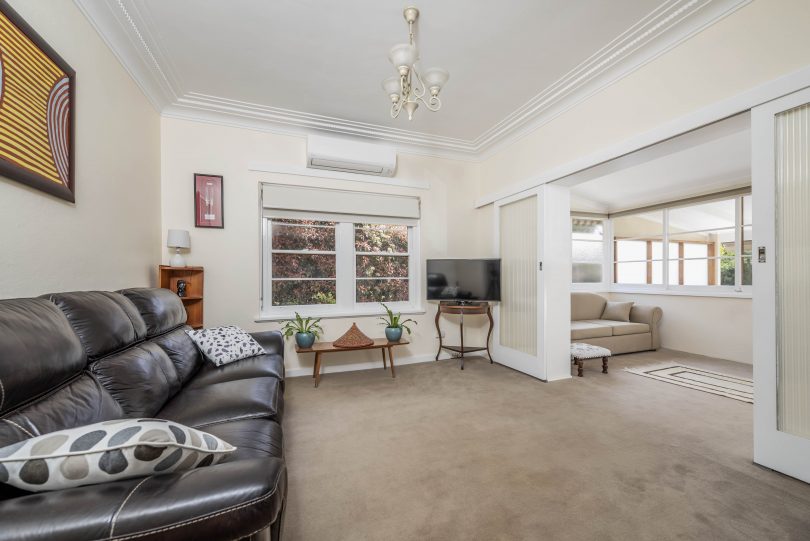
x,y
709,160
317,65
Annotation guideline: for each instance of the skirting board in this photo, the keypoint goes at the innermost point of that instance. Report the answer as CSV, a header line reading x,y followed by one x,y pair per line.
x,y
369,365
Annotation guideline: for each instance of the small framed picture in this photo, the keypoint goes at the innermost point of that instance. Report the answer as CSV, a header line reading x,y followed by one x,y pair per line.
x,y
208,205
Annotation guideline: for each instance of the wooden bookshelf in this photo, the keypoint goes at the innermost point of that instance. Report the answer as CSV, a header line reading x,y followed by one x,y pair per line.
x,y
193,301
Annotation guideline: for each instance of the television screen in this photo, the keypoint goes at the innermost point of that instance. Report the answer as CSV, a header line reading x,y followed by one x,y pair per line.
x,y
464,279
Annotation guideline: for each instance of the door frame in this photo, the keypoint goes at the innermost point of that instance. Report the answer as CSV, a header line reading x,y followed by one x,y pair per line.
x,y
533,365
774,449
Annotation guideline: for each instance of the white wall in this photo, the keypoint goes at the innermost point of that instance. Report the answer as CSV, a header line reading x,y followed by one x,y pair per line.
x,y
231,255
110,238
719,327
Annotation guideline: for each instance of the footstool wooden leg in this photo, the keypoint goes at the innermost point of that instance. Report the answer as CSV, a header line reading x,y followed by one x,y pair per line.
x,y
383,354
604,365
579,367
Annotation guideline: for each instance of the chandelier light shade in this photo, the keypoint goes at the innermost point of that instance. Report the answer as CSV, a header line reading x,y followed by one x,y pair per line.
x,y
408,88
403,56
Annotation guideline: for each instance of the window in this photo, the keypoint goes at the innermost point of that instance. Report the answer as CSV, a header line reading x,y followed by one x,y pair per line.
x,y
707,244
303,262
324,267
382,263
587,250
637,248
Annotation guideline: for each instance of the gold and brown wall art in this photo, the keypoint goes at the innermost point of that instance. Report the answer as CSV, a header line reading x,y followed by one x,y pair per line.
x,y
36,109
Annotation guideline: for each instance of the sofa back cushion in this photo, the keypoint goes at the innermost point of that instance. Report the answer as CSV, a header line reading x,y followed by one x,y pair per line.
x,y
141,379
161,309
105,322
182,351
586,306
82,401
39,352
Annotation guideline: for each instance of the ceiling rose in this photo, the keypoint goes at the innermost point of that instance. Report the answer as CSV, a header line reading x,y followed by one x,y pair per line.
x,y
409,87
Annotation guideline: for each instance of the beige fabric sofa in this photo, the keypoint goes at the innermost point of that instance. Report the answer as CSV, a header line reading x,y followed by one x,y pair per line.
x,y
638,334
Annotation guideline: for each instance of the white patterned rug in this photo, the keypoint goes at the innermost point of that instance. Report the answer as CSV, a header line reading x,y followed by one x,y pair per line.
x,y
741,389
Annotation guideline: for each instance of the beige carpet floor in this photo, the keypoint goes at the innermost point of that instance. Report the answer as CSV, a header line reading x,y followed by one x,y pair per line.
x,y
490,454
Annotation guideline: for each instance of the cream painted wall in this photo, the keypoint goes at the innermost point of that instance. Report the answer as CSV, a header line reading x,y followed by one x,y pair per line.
x,y
755,44
231,255
110,238
719,327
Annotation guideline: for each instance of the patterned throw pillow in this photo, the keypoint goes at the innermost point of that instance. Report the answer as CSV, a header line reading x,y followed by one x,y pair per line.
x,y
107,451
223,345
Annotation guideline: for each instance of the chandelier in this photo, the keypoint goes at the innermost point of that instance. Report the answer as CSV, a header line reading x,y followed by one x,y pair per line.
x,y
410,87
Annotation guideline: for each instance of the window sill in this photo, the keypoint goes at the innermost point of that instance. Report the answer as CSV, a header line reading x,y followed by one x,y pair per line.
x,y
682,292
283,316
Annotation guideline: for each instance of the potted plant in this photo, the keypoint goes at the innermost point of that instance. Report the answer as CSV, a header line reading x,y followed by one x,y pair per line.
x,y
306,330
394,324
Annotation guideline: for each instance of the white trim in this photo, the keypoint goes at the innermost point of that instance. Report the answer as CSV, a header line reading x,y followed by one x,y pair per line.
x,y
368,365
266,167
417,309
712,113
122,25
682,292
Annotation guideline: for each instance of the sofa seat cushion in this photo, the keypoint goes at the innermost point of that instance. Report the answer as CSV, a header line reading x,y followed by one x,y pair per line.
x,y
253,438
225,501
200,407
621,328
252,367
587,329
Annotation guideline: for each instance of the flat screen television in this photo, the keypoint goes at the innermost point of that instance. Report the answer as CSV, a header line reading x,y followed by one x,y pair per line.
x,y
465,280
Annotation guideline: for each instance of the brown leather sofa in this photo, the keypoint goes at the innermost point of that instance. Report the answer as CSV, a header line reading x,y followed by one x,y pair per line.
x,y
72,359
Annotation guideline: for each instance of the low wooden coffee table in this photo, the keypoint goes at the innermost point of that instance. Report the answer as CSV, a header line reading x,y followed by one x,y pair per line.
x,y
320,348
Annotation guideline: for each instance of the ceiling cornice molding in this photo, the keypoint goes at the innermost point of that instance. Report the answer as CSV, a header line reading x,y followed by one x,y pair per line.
x,y
123,26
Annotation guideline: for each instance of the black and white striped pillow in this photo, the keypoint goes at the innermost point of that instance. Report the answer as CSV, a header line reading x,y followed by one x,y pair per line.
x,y
223,345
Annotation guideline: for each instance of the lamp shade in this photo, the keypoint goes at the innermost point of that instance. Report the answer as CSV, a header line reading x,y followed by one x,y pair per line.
x,y
403,54
391,85
435,77
178,238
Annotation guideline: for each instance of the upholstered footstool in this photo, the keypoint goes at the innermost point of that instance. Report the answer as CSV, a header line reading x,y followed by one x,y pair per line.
x,y
582,352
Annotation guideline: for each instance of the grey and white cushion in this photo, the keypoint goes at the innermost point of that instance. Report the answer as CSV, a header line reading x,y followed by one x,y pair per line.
x,y
223,345
587,351
107,451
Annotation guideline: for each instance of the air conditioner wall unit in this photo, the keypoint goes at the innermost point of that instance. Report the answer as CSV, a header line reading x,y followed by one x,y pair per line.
x,y
349,156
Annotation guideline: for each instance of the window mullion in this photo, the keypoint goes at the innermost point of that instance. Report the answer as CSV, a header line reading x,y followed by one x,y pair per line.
x,y
344,264
665,251
738,243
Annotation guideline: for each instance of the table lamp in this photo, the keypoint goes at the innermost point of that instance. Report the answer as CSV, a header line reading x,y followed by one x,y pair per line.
x,y
177,239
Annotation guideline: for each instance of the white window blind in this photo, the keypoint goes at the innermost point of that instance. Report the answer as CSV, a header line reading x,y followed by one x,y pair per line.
x,y
326,201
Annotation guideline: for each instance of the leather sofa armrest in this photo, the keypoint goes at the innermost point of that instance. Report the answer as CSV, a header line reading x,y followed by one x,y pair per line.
x,y
231,500
651,315
271,341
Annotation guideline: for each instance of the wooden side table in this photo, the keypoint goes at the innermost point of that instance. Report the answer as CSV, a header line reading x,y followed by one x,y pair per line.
x,y
478,309
321,348
193,301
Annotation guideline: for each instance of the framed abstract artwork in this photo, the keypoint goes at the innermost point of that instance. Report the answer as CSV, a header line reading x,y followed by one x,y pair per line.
x,y
37,89
208,203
